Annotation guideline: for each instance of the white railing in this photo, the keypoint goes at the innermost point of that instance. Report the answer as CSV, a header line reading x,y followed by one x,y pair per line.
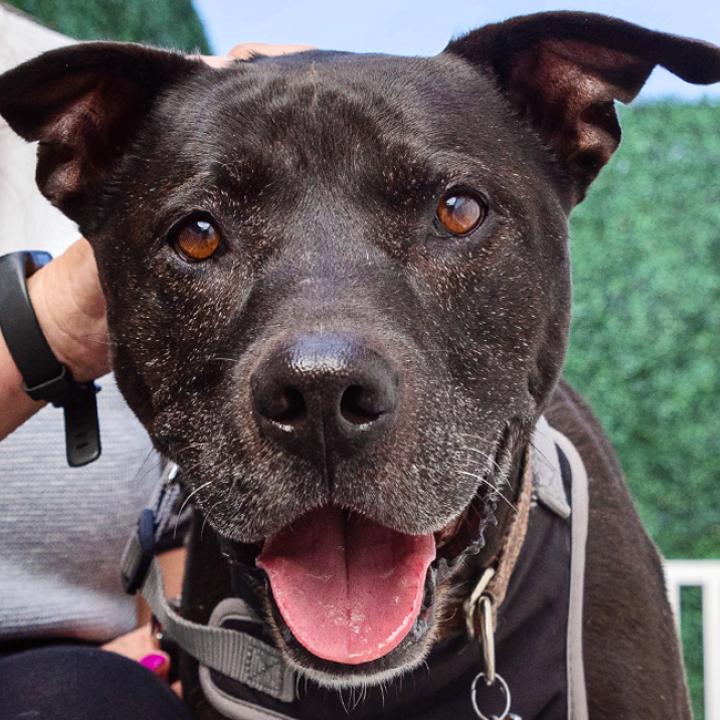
x,y
706,575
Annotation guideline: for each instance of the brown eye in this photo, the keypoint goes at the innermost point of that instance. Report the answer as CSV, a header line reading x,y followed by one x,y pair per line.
x,y
197,239
460,212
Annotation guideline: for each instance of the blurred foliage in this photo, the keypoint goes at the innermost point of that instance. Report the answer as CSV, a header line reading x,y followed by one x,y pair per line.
x,y
167,23
692,637
645,343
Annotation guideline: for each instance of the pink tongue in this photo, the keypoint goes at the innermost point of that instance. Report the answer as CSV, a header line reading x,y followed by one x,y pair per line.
x,y
348,588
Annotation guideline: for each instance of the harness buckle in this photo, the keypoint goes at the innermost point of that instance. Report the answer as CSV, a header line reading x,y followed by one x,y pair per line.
x,y
139,553
148,538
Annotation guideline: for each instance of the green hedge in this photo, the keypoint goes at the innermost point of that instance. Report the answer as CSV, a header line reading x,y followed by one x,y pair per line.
x,y
645,343
167,23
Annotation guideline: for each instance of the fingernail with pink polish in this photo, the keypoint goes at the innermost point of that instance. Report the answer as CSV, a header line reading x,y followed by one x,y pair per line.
x,y
153,661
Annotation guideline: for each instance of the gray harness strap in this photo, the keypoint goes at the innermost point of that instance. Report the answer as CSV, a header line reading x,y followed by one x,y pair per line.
x,y
577,693
229,705
547,477
235,654
550,491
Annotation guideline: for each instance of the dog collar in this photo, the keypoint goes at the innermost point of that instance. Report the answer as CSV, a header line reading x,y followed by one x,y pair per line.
x,y
244,676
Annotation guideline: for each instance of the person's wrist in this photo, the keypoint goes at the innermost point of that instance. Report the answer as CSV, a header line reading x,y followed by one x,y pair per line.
x,y
70,308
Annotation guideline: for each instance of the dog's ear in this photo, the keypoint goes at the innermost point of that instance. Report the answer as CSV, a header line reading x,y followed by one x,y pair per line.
x,y
84,103
563,71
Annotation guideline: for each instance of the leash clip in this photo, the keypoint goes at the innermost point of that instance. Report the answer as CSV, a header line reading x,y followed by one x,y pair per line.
x,y
480,611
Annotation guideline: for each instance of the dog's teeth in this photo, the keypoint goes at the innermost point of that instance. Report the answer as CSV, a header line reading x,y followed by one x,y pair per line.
x,y
490,518
478,543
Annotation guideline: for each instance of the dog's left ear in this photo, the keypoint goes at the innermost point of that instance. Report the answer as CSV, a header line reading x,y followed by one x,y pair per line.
x,y
84,104
563,71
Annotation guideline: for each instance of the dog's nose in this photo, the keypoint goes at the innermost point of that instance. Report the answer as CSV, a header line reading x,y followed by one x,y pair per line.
x,y
325,394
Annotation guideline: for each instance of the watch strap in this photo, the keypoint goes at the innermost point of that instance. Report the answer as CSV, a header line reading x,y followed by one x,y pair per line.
x,y
44,376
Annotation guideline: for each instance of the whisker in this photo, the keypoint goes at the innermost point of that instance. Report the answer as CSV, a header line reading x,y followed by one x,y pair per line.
x,y
142,472
342,701
488,457
494,488
207,517
185,502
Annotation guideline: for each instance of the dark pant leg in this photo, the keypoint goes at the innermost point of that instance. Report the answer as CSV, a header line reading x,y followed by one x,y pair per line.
x,y
82,683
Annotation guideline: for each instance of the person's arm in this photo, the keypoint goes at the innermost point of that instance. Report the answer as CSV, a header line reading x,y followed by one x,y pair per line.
x,y
70,308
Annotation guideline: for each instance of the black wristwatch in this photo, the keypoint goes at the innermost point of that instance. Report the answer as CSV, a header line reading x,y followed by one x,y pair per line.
x,y
44,376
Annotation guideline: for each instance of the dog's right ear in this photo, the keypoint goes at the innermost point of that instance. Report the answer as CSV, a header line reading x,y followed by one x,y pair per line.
x,y
84,104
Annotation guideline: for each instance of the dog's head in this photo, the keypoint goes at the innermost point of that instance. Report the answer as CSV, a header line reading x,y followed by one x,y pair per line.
x,y
338,288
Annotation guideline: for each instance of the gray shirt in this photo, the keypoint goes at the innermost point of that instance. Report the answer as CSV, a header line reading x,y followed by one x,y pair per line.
x,y
62,530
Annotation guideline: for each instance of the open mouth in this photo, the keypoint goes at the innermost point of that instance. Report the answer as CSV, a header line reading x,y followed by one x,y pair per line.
x,y
350,590
346,591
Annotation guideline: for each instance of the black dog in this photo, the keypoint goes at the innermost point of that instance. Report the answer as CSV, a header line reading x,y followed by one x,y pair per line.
x,y
327,276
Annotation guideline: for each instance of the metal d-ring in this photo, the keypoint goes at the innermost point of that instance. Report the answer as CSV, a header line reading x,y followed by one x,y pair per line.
x,y
472,602
504,689
487,635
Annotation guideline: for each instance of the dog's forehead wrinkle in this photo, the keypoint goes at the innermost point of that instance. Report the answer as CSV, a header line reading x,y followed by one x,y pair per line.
x,y
339,98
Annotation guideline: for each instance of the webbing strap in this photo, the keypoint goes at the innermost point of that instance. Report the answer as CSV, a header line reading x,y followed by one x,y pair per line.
x,y
577,691
237,655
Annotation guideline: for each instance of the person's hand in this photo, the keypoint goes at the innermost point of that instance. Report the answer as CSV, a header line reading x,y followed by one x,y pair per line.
x,y
245,51
139,645
70,308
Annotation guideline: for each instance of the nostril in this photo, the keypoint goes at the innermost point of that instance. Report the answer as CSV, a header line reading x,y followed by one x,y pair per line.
x,y
359,406
289,407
